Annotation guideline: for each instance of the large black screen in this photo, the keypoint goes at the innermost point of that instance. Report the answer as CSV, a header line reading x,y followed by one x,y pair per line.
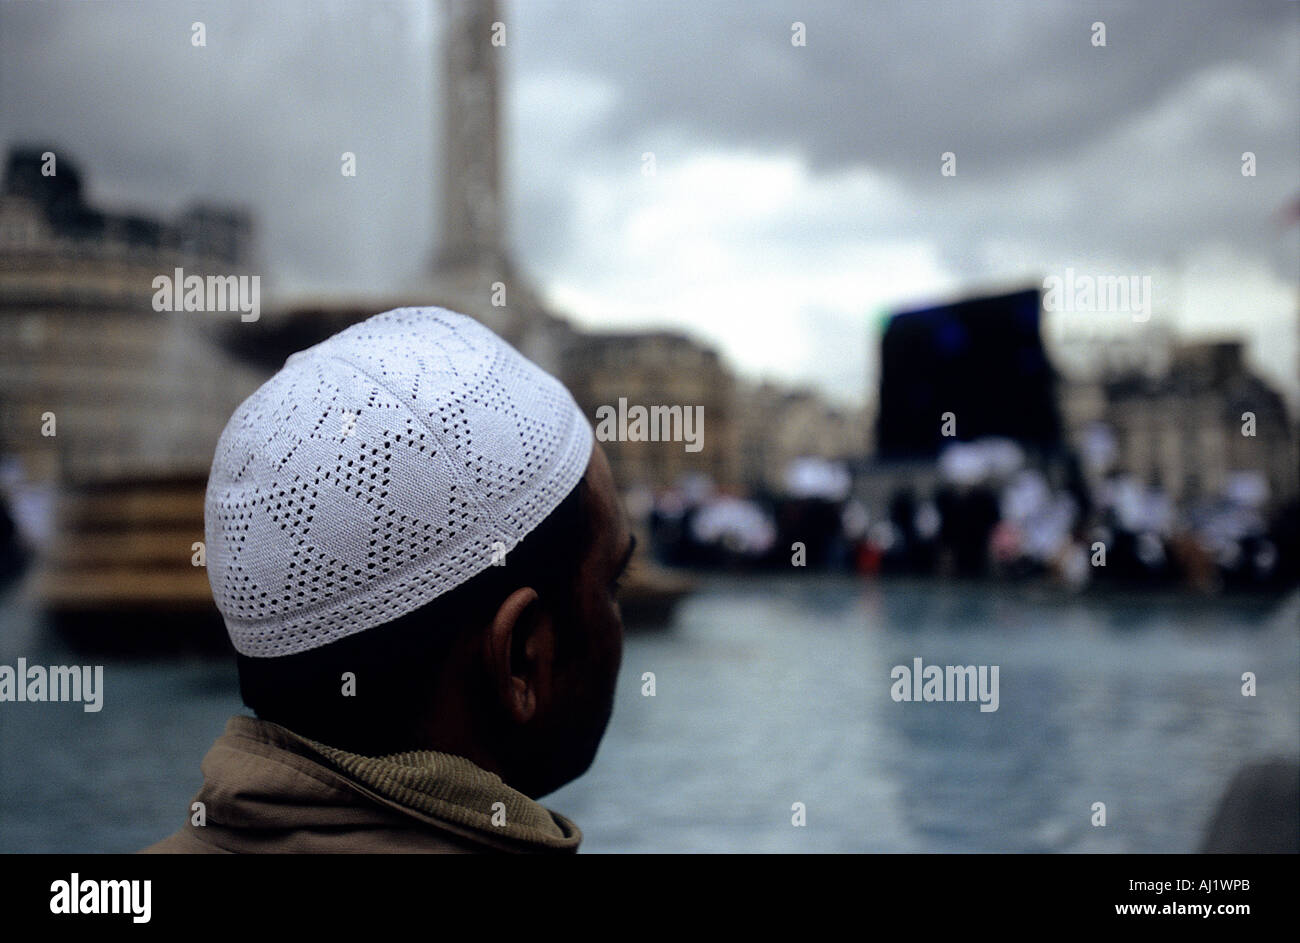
x,y
981,359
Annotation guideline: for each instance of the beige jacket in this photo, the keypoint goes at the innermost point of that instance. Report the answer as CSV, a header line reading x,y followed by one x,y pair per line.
x,y
268,790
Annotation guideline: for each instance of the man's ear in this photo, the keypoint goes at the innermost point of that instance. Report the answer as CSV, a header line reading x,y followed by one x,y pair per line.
x,y
520,654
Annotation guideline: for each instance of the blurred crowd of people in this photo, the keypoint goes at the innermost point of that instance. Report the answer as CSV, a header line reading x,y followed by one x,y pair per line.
x,y
985,509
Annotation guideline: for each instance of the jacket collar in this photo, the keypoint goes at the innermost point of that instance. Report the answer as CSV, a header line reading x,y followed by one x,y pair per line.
x,y
263,775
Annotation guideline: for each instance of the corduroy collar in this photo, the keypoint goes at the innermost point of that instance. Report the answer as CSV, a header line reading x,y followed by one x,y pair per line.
x,y
440,788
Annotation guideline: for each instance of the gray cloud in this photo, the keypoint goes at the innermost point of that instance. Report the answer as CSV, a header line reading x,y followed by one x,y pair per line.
x,y
1129,153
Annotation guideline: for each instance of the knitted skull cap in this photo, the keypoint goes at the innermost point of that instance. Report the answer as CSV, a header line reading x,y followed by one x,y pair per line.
x,y
378,470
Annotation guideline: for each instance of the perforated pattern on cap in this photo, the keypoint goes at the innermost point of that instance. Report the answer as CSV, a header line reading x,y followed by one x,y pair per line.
x,y
376,471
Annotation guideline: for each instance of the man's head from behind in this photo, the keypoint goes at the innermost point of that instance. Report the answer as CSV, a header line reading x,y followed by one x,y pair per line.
x,y
415,544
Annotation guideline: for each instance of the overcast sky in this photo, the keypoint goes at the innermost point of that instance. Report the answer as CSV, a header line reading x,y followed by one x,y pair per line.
x,y
798,189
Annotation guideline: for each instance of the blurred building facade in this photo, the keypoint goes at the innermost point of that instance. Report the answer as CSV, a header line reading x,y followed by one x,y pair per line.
x,y
658,368
110,410
128,387
779,425
1188,428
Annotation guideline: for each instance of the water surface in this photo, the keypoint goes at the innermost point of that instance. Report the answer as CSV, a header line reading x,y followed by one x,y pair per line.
x,y
771,692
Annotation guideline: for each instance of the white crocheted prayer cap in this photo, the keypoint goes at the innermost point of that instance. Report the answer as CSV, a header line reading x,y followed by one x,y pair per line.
x,y
378,470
